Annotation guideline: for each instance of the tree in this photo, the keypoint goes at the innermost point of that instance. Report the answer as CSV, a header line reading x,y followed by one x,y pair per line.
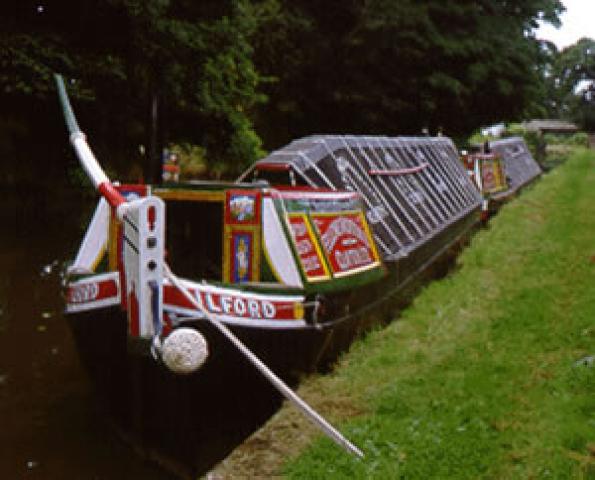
x,y
189,61
387,66
206,68
572,83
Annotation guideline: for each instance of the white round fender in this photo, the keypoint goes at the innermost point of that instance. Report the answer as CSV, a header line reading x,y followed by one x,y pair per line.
x,y
184,351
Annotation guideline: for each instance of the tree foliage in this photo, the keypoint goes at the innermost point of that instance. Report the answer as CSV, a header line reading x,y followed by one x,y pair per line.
x,y
572,83
215,69
193,58
387,66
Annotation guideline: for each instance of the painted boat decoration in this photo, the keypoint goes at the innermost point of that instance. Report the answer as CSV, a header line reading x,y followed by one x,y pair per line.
x,y
259,259
418,198
502,171
486,170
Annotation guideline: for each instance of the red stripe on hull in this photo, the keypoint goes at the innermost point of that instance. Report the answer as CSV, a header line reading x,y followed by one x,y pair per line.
x,y
91,292
228,304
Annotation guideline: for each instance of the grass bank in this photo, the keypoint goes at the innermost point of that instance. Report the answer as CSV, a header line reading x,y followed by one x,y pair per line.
x,y
488,374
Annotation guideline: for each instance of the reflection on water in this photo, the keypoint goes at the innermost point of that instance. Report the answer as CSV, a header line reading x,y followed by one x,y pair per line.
x,y
50,427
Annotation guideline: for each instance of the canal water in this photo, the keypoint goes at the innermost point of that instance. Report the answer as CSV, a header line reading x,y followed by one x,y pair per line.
x,y
51,426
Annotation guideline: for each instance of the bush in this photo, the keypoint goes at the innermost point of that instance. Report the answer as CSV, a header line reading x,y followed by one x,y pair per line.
x,y
245,146
191,158
580,139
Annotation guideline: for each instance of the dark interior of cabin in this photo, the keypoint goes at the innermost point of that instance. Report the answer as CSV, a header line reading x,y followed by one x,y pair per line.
x,y
279,177
194,240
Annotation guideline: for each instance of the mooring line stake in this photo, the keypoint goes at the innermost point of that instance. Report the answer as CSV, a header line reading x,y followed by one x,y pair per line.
x,y
287,392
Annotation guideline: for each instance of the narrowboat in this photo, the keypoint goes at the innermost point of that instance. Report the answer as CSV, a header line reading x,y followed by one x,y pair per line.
x,y
269,283
520,167
273,264
501,170
290,272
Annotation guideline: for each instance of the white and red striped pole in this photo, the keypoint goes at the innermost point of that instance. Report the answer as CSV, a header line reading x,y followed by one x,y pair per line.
x,y
86,157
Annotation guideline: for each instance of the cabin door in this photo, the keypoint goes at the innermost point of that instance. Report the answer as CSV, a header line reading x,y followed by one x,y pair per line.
x,y
194,235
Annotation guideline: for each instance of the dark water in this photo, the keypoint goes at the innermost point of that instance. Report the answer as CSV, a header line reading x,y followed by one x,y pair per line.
x,y
51,426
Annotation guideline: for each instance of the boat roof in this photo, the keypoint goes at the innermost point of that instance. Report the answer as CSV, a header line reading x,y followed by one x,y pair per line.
x,y
519,165
550,125
413,187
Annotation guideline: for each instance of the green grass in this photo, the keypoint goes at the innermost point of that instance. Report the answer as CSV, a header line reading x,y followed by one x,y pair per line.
x,y
479,377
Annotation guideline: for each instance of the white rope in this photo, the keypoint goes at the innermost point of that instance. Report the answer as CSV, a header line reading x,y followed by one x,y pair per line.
x,y
287,392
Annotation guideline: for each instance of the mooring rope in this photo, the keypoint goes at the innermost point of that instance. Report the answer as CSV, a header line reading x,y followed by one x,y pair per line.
x,y
287,392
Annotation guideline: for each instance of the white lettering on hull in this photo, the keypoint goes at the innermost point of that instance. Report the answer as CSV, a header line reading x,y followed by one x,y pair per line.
x,y
85,292
353,258
239,307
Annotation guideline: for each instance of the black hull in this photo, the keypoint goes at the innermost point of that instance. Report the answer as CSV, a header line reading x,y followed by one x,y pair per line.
x,y
189,421
192,422
431,260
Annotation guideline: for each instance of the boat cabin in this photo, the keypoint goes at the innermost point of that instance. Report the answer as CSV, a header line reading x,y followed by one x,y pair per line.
x,y
249,236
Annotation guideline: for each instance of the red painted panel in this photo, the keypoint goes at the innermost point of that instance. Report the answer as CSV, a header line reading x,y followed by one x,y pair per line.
x,y
345,241
91,291
311,258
